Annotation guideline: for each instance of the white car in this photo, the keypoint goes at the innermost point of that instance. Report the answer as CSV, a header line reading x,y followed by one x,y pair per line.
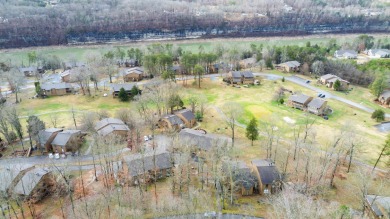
x,y
51,155
146,138
57,156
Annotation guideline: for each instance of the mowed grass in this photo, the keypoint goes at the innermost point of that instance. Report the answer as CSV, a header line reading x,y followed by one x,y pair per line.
x,y
257,102
80,53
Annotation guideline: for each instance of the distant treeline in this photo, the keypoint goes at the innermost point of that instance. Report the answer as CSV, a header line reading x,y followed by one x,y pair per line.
x,y
34,23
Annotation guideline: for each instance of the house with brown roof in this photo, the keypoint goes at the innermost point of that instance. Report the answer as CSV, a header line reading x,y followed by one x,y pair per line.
x,y
114,126
291,66
46,137
133,74
187,116
171,122
243,178
67,140
299,101
377,207
384,98
58,89
145,168
317,106
268,176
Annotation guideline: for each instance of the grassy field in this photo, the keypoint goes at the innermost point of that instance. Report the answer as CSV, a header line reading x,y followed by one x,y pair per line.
x,y
65,53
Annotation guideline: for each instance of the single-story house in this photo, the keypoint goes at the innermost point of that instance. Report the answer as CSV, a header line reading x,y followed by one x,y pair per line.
x,y
67,140
317,106
345,54
171,122
58,89
247,63
268,176
133,74
299,101
70,65
187,116
245,180
112,126
29,71
120,130
117,87
34,184
377,207
248,77
330,79
201,140
143,168
10,175
46,137
384,98
379,53
291,66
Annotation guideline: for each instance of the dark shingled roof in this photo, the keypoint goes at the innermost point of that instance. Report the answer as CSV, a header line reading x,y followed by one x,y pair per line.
x,y
110,128
202,141
137,70
187,114
291,64
127,87
55,86
138,164
267,170
242,174
299,98
30,180
247,74
44,135
63,137
316,103
236,74
104,122
173,119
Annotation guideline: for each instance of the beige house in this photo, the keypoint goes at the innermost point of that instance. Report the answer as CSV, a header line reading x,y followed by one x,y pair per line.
x,y
113,126
330,79
59,89
317,106
384,98
267,175
133,74
187,116
299,101
291,66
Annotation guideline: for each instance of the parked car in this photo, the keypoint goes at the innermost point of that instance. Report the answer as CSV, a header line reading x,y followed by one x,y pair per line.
x,y
326,117
319,95
51,156
257,82
323,95
150,137
146,138
307,82
56,156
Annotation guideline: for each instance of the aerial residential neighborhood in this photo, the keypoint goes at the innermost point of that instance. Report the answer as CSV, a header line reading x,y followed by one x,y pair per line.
x,y
194,109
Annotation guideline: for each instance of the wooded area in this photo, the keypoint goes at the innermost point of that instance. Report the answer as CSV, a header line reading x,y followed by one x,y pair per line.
x,y
38,23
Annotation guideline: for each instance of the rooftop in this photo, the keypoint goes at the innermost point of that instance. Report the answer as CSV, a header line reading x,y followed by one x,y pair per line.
x,y
186,113
139,164
201,140
173,119
29,181
316,103
127,87
110,128
63,137
104,122
56,86
299,98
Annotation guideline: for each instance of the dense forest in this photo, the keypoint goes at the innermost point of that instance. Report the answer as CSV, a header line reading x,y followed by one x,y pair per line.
x,y
39,23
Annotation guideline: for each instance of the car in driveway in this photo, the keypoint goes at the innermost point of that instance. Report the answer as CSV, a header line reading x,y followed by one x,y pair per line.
x,y
323,95
146,138
319,95
308,82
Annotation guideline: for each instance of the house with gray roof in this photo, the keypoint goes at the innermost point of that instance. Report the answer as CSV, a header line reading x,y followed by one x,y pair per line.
x,y
144,168
244,179
117,87
57,89
268,176
384,98
114,129
170,122
299,101
67,140
46,137
106,121
201,140
317,106
187,116
133,74
379,53
34,184
290,66
235,77
29,71
238,77
10,175
345,54
377,206
248,77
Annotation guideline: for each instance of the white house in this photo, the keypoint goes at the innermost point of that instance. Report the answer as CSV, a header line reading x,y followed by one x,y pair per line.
x,y
379,53
345,54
